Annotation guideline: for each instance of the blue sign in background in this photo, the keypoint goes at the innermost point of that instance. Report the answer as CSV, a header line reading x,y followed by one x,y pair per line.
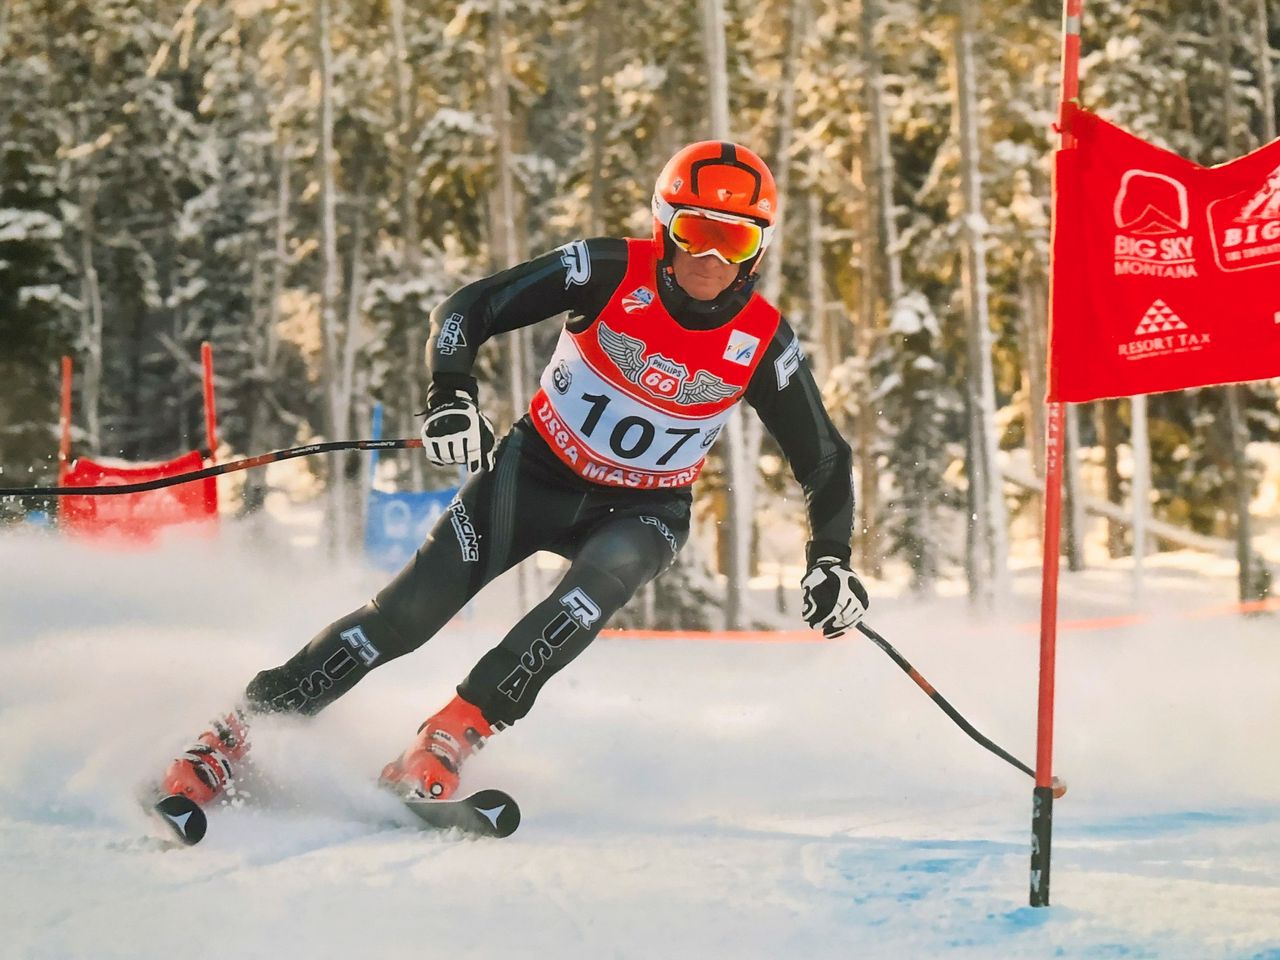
x,y
396,523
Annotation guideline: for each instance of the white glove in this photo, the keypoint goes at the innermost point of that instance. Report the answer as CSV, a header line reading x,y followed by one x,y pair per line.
x,y
455,431
834,598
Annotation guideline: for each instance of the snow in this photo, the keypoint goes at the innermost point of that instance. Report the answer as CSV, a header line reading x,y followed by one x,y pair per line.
x,y
681,798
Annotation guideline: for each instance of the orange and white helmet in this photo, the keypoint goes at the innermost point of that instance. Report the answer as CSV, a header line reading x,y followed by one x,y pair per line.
x,y
716,198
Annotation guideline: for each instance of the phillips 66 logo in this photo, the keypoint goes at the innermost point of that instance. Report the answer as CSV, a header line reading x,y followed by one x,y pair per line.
x,y
663,377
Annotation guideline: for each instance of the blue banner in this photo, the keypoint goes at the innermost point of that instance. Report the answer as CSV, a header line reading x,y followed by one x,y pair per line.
x,y
397,523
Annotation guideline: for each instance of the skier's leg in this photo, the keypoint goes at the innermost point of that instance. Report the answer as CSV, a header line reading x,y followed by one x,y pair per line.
x,y
614,561
474,541
610,565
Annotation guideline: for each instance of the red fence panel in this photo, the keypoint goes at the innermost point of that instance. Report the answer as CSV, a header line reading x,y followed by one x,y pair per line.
x,y
138,516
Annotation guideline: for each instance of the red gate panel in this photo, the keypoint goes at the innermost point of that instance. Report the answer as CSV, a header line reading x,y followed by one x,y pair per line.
x,y
138,516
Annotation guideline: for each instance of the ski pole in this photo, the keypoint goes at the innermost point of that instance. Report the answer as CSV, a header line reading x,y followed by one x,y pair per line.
x,y
1059,786
274,456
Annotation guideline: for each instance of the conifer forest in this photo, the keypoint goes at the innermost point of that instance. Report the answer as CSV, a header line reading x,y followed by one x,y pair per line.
x,y
299,183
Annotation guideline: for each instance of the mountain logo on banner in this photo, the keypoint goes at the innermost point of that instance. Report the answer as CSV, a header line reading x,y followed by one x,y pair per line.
x,y
1160,318
1265,204
1153,237
1246,227
1150,204
1162,332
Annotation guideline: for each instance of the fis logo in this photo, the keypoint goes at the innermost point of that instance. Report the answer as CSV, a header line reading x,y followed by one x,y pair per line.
x,y
451,337
637,300
742,348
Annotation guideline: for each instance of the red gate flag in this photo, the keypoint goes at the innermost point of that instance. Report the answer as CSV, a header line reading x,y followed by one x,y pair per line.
x,y
138,516
1166,273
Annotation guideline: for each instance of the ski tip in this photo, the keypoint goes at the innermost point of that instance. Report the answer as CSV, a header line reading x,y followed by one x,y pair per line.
x,y
498,808
183,816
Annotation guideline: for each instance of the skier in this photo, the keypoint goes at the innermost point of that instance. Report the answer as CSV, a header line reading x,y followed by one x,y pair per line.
x,y
665,336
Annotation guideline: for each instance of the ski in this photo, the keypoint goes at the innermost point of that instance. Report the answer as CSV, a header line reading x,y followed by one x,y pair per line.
x,y
487,813
183,816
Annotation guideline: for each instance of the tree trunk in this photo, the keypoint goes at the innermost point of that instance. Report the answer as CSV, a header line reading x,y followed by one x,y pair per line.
x,y
1235,395
1032,293
506,252
267,338
773,260
1266,72
1074,493
865,266
869,268
1139,488
330,282
1108,419
741,476
822,328
601,26
506,244
351,339
781,161
992,552
713,41
91,315
881,151
411,249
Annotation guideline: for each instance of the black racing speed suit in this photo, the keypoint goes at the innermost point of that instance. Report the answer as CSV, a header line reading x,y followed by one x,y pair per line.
x,y
616,539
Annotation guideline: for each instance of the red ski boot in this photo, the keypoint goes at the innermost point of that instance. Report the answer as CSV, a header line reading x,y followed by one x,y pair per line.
x,y
203,772
429,768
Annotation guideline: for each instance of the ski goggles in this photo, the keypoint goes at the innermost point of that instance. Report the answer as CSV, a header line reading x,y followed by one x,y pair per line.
x,y
701,233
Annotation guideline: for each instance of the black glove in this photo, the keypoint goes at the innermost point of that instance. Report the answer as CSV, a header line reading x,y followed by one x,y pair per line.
x,y
455,430
834,598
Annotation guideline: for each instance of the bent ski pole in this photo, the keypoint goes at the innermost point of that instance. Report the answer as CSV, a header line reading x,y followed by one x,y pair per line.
x,y
1059,786
215,471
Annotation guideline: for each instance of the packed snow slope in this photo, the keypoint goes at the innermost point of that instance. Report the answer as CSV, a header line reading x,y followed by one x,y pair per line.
x,y
682,798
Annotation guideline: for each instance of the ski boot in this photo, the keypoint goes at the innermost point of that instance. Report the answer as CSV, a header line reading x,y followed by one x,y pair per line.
x,y
204,770
429,768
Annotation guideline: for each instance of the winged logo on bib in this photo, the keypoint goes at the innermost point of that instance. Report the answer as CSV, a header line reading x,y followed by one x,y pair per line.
x,y
658,375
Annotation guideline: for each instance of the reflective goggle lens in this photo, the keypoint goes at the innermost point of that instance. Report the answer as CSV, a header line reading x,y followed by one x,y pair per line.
x,y
734,240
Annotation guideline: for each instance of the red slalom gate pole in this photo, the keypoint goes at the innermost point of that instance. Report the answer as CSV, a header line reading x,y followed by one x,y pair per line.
x,y
210,412
1046,788
64,445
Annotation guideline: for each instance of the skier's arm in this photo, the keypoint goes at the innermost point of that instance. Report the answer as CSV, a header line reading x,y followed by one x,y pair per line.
x,y
783,392
578,277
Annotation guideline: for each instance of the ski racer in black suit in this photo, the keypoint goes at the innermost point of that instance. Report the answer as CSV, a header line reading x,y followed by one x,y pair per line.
x,y
665,335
